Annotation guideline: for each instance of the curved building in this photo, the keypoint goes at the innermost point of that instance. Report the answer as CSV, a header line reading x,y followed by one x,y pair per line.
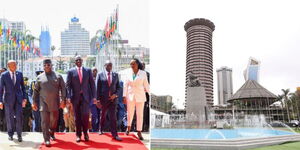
x,y
199,54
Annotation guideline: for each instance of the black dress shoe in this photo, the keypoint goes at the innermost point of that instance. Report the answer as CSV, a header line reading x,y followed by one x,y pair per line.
x,y
86,137
20,139
10,138
117,138
47,143
78,139
52,137
140,135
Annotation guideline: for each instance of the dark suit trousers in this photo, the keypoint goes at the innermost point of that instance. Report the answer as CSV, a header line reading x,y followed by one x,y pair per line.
x,y
11,111
111,110
95,118
49,123
81,111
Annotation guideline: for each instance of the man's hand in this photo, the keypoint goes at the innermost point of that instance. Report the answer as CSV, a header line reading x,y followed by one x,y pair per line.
x,y
1,105
112,97
24,102
98,104
68,101
124,100
95,101
34,107
62,104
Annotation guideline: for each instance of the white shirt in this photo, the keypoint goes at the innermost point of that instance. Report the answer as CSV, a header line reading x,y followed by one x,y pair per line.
x,y
110,76
11,76
80,70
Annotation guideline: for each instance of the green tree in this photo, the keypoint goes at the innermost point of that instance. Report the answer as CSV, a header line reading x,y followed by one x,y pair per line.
x,y
286,99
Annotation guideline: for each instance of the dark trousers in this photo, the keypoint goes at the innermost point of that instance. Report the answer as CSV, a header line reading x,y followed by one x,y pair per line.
x,y
111,110
81,111
95,111
12,123
37,121
2,120
49,123
60,122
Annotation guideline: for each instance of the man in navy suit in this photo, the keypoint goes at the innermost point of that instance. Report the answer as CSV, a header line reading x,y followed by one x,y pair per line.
x,y
81,90
108,88
13,89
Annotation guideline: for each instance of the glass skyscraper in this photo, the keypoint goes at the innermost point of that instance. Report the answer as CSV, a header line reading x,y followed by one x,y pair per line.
x,y
45,42
252,70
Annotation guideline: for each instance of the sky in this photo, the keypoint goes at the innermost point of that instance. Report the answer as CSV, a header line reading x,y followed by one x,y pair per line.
x,y
92,14
267,30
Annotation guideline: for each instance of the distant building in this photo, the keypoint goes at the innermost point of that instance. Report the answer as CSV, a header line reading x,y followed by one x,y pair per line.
x,y
75,40
17,25
45,42
225,89
252,70
199,61
161,103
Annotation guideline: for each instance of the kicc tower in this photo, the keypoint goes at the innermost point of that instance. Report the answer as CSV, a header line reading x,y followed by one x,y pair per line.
x,y
199,58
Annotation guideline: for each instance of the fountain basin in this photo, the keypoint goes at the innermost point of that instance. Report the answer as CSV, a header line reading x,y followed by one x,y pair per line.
x,y
215,133
212,139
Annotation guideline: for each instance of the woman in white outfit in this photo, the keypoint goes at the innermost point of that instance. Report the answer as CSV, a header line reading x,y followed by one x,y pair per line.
x,y
135,86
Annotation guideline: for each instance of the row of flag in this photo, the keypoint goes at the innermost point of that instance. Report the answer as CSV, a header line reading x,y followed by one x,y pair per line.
x,y
17,39
111,26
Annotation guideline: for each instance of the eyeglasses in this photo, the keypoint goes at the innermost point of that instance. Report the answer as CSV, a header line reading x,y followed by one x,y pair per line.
x,y
78,60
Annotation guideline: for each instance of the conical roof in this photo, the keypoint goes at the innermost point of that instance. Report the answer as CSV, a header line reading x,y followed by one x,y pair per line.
x,y
251,90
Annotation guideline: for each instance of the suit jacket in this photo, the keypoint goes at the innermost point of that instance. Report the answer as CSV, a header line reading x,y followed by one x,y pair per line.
x,y
74,87
47,90
103,89
136,88
9,92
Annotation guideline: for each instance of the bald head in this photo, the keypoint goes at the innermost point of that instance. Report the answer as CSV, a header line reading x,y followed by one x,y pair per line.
x,y
78,61
108,65
12,65
95,71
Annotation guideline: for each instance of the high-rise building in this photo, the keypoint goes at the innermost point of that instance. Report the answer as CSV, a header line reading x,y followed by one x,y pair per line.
x,y
75,40
199,54
45,42
13,25
224,85
252,70
17,25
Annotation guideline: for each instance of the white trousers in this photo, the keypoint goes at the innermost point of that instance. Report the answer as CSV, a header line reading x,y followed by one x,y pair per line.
x,y
139,106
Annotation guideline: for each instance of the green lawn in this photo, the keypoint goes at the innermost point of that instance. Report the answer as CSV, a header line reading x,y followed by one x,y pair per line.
x,y
285,146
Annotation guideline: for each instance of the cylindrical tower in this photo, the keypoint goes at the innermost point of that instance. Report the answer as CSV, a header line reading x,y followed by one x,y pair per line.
x,y
199,54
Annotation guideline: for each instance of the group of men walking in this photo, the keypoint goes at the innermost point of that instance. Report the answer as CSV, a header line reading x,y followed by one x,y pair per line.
x,y
51,93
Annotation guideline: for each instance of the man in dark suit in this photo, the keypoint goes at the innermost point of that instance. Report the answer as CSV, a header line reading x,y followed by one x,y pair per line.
x,y
2,111
50,93
107,90
36,114
80,91
13,89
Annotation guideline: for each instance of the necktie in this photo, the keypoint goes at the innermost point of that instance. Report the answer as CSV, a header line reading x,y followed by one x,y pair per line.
x,y
80,75
13,78
109,82
108,78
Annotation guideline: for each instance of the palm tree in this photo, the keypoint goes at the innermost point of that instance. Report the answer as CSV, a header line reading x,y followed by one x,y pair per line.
x,y
286,99
279,98
294,100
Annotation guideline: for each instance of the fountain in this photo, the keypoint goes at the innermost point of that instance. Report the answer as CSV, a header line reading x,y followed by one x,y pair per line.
x,y
214,131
